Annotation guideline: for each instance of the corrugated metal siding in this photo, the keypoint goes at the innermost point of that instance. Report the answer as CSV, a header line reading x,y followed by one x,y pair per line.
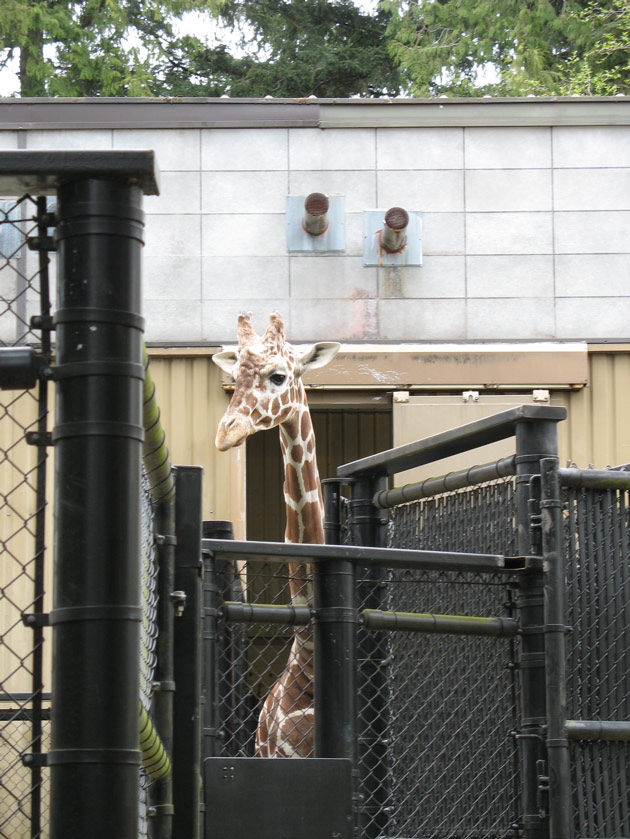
x,y
18,413
192,402
597,430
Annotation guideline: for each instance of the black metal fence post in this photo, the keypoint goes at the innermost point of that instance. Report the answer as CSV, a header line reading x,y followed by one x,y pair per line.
x,y
372,725
94,756
187,598
534,441
210,742
560,817
335,659
335,644
43,322
164,685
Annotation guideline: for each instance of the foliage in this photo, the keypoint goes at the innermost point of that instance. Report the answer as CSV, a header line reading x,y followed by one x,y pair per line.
x,y
324,48
328,48
477,47
90,47
604,68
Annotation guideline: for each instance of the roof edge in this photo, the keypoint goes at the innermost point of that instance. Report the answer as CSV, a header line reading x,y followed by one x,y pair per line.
x,y
104,112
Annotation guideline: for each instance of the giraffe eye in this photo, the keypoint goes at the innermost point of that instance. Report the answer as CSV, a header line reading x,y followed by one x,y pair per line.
x,y
277,379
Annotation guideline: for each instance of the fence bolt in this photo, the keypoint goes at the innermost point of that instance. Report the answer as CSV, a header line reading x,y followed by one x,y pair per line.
x,y
44,322
43,243
178,599
39,438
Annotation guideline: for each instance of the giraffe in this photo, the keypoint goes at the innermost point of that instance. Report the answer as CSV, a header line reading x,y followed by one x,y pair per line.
x,y
268,392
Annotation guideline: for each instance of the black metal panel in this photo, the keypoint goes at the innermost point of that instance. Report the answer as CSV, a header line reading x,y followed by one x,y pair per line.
x,y
272,798
386,557
454,441
94,754
41,172
187,654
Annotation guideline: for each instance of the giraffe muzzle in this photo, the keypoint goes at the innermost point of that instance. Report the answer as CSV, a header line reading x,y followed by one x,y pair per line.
x,y
232,432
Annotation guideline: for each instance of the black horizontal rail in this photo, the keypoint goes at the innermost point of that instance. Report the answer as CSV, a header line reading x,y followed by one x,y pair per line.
x,y
22,714
446,483
24,697
454,441
235,612
595,478
598,730
379,557
604,479
440,624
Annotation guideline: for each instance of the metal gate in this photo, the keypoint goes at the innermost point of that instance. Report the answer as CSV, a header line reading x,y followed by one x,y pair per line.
x,y
488,657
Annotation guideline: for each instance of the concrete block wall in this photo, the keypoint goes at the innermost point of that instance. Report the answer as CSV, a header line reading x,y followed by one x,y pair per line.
x,y
526,226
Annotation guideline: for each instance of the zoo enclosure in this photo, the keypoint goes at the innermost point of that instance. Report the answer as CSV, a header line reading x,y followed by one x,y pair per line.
x,y
502,519
457,732
121,547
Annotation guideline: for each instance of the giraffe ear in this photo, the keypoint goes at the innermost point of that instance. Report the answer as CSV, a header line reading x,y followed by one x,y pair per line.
x,y
226,360
318,355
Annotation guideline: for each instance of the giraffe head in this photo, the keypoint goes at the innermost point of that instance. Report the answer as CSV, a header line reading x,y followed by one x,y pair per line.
x,y
267,373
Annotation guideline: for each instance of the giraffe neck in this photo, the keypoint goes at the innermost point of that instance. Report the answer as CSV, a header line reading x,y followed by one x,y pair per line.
x,y
305,512
302,487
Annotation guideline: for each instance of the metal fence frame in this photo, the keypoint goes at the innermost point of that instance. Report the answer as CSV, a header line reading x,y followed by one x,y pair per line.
x,y
102,417
544,734
25,371
107,421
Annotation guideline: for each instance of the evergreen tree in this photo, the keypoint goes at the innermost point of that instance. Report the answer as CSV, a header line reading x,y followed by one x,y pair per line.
x,y
90,47
325,48
604,68
474,47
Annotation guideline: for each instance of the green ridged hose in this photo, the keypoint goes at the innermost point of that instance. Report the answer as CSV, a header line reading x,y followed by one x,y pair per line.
x,y
155,760
155,452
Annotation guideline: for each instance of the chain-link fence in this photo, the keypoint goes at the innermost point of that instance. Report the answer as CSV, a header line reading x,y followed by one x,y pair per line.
x,y
597,545
447,726
26,535
148,632
24,656
436,715
254,657
449,703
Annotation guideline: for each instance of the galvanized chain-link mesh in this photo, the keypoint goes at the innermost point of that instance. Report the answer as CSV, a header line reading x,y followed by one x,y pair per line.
x,y
597,539
149,628
438,715
24,658
437,752
255,656
24,661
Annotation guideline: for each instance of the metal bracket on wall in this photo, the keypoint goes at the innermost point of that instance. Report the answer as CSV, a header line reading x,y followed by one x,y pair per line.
x,y
331,239
375,253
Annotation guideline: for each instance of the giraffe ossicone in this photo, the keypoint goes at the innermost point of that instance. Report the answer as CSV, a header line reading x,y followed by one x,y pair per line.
x,y
269,392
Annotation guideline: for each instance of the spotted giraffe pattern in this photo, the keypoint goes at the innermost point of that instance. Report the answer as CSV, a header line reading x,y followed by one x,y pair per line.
x,y
268,392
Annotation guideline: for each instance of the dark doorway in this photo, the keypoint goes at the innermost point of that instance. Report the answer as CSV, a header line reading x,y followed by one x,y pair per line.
x,y
342,433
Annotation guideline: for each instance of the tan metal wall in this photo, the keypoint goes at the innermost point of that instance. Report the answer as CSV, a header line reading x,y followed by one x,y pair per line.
x,y
18,412
192,401
597,430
